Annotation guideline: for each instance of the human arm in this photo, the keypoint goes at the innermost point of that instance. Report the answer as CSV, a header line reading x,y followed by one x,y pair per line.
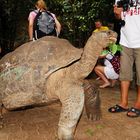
x,y
30,24
30,29
58,26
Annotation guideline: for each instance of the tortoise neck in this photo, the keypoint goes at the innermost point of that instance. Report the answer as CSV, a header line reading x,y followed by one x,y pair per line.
x,y
92,50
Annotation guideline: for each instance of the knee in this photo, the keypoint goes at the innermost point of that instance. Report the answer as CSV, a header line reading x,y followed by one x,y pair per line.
x,y
97,68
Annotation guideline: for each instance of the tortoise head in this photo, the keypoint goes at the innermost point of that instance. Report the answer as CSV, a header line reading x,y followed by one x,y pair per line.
x,y
93,48
106,37
112,36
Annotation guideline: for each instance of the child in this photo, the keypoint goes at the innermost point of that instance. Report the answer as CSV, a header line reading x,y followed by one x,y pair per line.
x,y
109,72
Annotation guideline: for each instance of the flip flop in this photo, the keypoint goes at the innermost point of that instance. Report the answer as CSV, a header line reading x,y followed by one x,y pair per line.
x,y
117,109
135,111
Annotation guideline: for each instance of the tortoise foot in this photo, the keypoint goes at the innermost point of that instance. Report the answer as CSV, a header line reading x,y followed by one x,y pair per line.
x,y
65,134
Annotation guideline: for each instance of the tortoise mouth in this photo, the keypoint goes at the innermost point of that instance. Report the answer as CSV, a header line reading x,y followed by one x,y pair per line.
x,y
112,39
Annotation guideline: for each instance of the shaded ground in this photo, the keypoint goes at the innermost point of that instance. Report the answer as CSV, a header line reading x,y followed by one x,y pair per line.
x,y
40,123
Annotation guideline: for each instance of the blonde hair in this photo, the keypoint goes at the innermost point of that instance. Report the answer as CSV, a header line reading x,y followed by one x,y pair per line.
x,y
41,4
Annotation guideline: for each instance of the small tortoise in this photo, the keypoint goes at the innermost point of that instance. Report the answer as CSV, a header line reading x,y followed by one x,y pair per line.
x,y
51,69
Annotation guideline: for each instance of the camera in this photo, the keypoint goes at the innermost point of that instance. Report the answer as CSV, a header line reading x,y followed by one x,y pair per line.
x,y
121,23
124,4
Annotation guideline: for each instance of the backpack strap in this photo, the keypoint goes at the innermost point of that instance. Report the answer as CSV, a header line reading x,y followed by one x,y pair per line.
x,y
49,13
38,13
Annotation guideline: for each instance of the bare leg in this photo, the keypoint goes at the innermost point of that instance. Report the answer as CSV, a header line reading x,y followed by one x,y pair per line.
x,y
137,104
98,78
124,93
124,98
100,72
113,82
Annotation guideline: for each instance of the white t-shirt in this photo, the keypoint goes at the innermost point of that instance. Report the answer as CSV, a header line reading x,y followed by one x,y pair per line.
x,y
130,33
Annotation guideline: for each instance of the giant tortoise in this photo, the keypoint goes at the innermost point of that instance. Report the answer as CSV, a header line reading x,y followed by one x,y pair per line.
x,y
50,69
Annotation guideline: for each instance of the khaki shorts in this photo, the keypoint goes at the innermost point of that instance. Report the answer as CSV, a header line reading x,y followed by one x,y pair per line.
x,y
130,56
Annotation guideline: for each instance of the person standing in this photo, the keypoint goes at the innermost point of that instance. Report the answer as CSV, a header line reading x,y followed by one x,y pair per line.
x,y
129,14
41,6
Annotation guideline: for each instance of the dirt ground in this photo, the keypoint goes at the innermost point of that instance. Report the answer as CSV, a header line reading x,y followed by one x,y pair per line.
x,y
40,123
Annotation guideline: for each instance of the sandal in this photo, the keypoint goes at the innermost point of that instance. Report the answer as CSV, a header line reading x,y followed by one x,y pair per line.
x,y
117,109
135,111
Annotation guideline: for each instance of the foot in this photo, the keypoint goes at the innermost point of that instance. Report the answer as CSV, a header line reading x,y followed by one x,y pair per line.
x,y
133,112
113,82
117,109
105,85
65,133
98,78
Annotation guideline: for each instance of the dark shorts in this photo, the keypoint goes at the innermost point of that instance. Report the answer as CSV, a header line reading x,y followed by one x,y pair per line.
x,y
38,34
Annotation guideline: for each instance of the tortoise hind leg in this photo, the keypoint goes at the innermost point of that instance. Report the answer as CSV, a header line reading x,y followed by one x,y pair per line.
x,y
3,110
1,116
92,101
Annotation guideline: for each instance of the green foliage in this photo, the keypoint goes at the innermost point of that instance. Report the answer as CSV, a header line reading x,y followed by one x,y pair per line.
x,y
13,12
77,18
113,48
89,132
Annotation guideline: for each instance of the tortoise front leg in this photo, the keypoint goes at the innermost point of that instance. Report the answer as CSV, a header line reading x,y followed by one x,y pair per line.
x,y
72,106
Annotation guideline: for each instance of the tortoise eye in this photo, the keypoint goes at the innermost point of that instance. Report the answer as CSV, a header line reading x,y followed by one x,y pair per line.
x,y
109,32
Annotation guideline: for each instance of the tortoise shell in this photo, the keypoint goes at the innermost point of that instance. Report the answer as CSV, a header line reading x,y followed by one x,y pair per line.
x,y
27,68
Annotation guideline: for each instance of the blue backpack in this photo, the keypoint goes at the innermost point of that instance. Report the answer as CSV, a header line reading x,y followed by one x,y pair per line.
x,y
44,24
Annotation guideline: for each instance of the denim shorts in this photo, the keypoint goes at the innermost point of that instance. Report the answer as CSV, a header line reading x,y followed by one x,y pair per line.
x,y
129,57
